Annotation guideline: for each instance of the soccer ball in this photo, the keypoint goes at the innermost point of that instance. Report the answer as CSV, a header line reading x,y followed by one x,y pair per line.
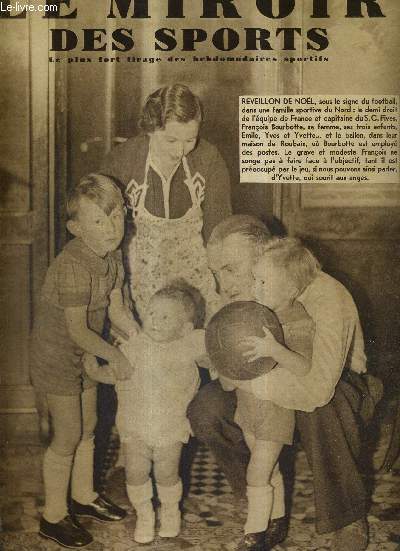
x,y
228,327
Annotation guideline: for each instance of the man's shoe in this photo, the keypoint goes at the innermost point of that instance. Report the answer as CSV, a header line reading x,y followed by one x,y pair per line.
x,y
353,537
68,532
100,509
277,531
253,542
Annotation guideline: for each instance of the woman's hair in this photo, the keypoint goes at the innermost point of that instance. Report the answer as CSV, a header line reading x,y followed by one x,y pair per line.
x,y
100,189
299,262
169,103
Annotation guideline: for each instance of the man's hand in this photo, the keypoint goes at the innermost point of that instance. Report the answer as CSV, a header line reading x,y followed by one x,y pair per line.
x,y
255,348
358,367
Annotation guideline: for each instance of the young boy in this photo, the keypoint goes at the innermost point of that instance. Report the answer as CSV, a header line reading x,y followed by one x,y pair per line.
x,y
266,426
152,405
81,284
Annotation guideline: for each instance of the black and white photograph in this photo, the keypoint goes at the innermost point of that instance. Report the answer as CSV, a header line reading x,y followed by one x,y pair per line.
x,y
200,278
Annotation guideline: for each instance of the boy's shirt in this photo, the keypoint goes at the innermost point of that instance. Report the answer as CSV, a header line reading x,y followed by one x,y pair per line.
x,y
298,331
338,344
77,277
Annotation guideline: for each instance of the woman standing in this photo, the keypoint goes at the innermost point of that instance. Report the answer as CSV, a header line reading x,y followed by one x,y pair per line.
x,y
178,187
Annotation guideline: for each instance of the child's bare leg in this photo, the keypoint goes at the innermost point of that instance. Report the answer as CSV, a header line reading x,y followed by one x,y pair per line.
x,y
278,505
44,416
166,464
169,488
85,501
83,469
56,524
138,456
264,458
138,460
250,440
65,412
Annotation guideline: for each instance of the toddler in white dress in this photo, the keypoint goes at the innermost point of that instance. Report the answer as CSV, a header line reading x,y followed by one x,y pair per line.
x,y
152,404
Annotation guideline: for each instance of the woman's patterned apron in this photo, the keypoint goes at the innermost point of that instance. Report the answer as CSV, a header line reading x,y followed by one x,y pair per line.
x,y
168,249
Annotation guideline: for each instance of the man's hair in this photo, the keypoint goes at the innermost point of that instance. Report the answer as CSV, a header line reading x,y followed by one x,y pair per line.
x,y
299,262
185,296
242,224
170,103
100,189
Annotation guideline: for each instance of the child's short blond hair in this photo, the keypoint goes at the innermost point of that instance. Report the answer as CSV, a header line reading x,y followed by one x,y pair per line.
x,y
98,188
290,253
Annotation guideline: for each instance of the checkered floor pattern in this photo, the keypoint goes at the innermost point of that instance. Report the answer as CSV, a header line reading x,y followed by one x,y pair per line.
x,y
206,477
212,519
206,482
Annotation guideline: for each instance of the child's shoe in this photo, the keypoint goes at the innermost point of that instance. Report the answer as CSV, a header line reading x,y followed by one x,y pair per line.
x,y
101,509
140,497
253,542
67,533
170,520
258,513
277,531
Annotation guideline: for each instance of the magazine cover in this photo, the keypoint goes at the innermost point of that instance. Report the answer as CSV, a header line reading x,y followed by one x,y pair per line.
x,y
199,228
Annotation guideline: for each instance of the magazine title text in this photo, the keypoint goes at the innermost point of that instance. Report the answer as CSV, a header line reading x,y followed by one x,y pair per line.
x,y
189,39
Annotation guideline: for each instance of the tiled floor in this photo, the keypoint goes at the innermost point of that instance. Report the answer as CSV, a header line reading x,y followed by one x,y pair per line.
x,y
212,520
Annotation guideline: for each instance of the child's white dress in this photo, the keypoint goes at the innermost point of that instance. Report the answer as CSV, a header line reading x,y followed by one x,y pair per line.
x,y
152,404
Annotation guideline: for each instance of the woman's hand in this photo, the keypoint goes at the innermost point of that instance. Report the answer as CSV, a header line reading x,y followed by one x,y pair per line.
x,y
259,347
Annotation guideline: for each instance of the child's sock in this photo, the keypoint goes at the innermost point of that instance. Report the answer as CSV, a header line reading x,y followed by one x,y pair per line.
x,y
278,505
56,475
170,497
82,473
259,508
140,497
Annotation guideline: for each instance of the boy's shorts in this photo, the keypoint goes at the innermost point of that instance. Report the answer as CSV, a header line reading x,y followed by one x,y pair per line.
x,y
264,419
57,370
60,382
